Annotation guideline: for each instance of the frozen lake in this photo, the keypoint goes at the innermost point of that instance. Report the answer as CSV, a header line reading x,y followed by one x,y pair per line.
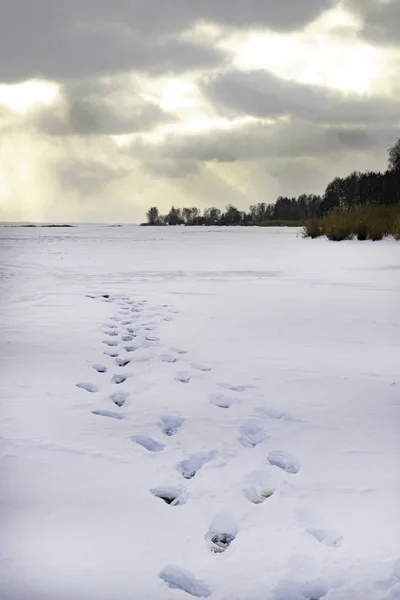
x,y
198,411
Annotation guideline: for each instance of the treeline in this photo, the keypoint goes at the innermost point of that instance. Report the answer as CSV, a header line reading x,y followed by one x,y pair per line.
x,y
355,190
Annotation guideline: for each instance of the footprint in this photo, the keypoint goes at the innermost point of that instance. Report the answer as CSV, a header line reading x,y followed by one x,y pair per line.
x,y
110,325
170,425
222,532
263,412
168,358
315,527
152,338
129,322
179,351
116,318
111,343
127,338
180,579
328,537
183,377
89,387
108,413
123,362
221,400
118,379
252,435
235,388
112,333
262,485
171,495
133,330
200,367
111,353
119,398
148,443
295,590
284,461
100,368
189,467
131,348
391,582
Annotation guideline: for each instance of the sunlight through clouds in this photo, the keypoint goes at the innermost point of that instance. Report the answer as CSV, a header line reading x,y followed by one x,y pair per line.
x,y
20,97
327,53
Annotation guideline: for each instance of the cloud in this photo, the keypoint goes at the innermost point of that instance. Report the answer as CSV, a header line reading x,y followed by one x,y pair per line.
x,y
99,107
264,95
86,38
287,139
381,19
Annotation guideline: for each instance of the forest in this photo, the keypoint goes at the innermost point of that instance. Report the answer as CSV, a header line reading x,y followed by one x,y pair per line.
x,y
355,190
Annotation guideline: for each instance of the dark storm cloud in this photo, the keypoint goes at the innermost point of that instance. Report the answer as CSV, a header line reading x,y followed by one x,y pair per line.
x,y
381,20
263,95
63,40
93,107
292,138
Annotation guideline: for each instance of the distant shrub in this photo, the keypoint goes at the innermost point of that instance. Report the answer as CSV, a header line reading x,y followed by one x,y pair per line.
x,y
313,228
339,226
396,228
364,222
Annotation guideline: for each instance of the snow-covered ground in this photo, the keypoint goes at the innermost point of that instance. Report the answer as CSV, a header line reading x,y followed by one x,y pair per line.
x,y
207,411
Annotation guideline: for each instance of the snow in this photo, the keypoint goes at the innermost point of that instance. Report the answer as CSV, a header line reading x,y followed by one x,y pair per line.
x,y
259,384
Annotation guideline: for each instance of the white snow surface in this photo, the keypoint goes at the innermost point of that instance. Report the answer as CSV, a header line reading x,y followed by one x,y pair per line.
x,y
301,336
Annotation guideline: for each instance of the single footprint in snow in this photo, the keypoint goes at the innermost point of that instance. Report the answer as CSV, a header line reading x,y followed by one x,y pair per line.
x,y
116,318
261,485
100,368
200,367
152,338
111,343
315,527
263,412
128,322
123,362
251,435
131,348
119,398
180,579
111,353
108,413
133,330
183,377
148,443
118,379
391,582
235,388
112,333
110,325
284,461
89,387
127,338
170,425
221,400
168,358
189,467
297,590
223,530
179,350
171,495
328,537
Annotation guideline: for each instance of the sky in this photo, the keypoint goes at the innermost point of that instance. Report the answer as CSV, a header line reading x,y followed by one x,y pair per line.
x,y
108,108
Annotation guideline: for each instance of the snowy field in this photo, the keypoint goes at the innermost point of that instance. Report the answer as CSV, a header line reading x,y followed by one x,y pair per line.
x,y
204,411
